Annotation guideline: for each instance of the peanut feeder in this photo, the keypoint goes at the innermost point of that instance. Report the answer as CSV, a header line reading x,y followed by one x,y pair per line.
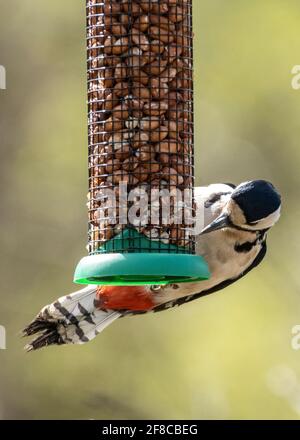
x,y
141,149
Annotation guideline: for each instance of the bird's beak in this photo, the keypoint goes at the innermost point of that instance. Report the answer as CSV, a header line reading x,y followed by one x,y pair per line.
x,y
221,222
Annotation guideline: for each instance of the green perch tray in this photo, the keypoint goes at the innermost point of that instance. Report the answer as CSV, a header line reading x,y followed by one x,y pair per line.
x,y
119,264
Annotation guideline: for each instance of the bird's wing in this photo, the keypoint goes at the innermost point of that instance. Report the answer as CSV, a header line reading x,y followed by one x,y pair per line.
x,y
208,191
230,184
221,286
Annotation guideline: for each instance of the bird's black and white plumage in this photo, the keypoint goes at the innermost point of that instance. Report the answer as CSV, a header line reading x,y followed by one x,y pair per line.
x,y
233,242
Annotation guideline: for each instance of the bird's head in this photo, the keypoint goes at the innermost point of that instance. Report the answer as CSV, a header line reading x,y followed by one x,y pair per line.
x,y
253,206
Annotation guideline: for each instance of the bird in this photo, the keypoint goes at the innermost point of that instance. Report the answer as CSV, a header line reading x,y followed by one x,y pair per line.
x,y
232,241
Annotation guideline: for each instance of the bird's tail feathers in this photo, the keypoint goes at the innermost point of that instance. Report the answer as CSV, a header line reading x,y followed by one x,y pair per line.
x,y
72,319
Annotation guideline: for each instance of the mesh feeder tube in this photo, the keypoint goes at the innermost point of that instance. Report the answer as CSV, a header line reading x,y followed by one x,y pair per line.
x,y
141,144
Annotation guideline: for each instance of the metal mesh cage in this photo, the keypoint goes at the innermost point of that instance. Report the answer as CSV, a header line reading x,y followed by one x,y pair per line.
x,y
140,112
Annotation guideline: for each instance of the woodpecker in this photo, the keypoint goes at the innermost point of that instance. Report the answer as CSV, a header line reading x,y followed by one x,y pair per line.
x,y
233,242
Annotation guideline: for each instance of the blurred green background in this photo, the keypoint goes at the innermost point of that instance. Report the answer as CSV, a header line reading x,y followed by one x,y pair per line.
x,y
226,356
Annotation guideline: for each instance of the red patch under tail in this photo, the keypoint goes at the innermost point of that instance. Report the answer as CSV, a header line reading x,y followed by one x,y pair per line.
x,y
135,298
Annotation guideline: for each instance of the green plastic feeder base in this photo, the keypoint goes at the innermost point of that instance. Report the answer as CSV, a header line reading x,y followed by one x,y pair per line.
x,y
117,263
132,269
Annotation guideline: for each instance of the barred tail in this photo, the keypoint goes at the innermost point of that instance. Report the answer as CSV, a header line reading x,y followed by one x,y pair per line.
x,y
72,319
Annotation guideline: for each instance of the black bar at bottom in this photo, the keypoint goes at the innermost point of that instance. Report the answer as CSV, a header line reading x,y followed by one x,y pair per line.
x,y
104,429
